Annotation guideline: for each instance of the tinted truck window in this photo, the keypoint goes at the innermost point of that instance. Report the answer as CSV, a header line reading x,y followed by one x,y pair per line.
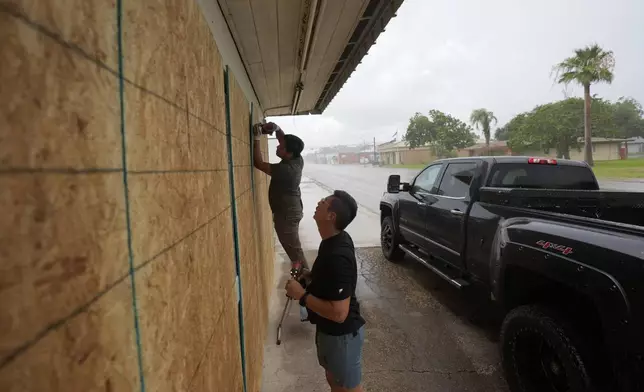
x,y
535,176
456,180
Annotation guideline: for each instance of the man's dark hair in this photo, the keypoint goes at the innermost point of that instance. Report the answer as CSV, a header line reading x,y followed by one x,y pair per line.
x,y
294,145
345,208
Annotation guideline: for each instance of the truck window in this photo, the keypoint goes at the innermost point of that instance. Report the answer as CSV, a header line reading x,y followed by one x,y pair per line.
x,y
456,180
523,175
426,179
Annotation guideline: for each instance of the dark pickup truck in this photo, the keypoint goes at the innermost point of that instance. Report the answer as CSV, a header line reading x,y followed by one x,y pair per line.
x,y
561,258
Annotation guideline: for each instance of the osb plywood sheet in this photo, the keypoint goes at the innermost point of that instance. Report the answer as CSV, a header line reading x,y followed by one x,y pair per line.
x,y
242,180
246,224
265,222
88,25
167,207
239,111
255,298
62,240
220,368
205,77
182,295
162,137
93,351
156,46
57,108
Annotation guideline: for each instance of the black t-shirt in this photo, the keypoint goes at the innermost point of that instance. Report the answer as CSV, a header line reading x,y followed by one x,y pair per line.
x,y
334,277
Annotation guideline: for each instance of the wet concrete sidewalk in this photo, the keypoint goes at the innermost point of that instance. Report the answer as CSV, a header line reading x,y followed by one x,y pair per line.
x,y
421,334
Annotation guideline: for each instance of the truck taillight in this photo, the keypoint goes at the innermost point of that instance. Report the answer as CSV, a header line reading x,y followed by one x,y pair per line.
x,y
542,161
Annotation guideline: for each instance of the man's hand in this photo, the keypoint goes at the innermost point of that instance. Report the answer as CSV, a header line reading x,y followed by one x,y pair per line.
x,y
257,131
294,289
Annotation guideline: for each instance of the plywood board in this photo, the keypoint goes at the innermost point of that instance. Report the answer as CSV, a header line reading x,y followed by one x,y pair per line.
x,y
220,368
88,25
167,207
57,108
155,46
205,78
63,239
239,111
162,137
93,351
182,296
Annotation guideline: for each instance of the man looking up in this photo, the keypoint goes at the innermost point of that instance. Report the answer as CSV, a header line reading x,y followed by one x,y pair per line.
x,y
330,297
284,194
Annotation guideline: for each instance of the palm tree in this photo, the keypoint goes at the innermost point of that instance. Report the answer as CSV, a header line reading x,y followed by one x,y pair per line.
x,y
589,65
482,119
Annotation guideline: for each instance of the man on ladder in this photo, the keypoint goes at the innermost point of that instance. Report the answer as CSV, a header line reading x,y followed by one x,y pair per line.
x,y
284,194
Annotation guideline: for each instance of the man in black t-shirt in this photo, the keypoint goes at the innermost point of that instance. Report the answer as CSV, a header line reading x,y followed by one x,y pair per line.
x,y
330,297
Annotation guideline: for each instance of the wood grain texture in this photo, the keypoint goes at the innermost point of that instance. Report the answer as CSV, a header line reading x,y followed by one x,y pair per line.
x,y
156,46
183,295
63,239
220,368
167,207
205,73
162,137
94,351
57,109
88,25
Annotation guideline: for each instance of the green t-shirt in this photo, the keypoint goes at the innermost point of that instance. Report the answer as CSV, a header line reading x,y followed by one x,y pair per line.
x,y
284,191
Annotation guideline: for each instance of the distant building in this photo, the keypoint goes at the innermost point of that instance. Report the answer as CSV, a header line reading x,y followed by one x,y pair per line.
x,y
496,147
399,153
604,149
636,147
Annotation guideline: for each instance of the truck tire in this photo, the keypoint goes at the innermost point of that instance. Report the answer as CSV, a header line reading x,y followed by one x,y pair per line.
x,y
541,351
389,240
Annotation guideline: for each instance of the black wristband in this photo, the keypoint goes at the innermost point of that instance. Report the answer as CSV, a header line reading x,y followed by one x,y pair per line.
x,y
303,299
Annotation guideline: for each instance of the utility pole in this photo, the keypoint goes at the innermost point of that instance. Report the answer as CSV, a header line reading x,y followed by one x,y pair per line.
x,y
374,149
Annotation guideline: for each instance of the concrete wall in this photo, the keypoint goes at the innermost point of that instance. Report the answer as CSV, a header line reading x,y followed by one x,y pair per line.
x,y
131,212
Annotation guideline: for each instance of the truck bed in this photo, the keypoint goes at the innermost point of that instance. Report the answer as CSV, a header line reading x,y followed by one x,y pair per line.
x,y
612,206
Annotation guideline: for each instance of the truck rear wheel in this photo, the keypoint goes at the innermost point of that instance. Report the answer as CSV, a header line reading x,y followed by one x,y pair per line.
x,y
542,352
389,240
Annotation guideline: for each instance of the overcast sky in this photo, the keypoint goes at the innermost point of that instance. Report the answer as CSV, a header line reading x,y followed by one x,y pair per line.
x,y
458,55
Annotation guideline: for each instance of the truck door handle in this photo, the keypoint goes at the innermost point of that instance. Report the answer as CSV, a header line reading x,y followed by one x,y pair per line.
x,y
457,212
420,203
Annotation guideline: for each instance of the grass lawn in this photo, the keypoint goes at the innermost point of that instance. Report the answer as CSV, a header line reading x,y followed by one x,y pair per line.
x,y
628,168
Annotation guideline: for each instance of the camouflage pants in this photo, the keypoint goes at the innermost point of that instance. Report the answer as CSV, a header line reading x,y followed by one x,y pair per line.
x,y
287,227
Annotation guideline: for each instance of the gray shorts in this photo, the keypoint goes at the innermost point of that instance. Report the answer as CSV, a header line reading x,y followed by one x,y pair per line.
x,y
342,357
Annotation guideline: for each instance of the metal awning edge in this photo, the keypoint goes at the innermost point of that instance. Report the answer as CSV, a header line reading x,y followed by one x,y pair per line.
x,y
375,18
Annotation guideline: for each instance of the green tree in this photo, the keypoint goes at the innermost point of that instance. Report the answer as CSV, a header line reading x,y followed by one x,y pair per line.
x,y
450,133
559,125
628,118
482,119
589,65
419,131
439,130
502,133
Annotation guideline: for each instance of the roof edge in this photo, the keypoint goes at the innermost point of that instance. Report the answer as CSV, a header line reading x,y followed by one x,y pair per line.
x,y
374,19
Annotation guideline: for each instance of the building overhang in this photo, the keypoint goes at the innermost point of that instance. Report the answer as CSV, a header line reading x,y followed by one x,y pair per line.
x,y
299,53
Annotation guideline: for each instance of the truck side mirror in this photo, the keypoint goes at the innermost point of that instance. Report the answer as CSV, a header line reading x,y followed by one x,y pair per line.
x,y
393,184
